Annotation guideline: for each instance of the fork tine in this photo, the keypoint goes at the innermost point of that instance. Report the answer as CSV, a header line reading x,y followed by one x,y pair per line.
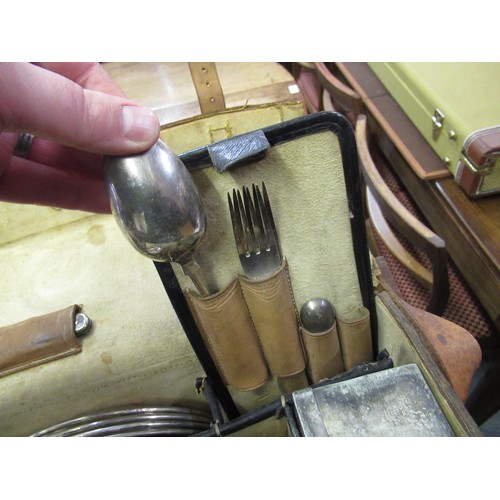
x,y
267,216
267,236
254,232
264,217
235,221
254,222
269,212
246,231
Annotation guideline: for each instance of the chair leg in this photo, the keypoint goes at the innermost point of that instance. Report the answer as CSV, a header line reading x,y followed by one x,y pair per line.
x,y
484,400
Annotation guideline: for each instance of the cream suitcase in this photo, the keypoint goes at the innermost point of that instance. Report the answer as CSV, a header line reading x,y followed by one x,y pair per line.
x,y
455,107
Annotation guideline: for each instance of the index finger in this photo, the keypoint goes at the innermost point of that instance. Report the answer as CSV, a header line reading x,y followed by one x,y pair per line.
x,y
89,75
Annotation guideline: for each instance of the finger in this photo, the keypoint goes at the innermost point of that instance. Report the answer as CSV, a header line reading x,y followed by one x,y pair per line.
x,y
29,182
48,105
53,155
90,76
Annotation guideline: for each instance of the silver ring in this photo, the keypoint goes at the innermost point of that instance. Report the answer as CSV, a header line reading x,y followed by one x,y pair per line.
x,y
23,145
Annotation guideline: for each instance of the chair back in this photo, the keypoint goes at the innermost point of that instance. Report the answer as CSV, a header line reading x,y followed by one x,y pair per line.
x,y
385,212
338,95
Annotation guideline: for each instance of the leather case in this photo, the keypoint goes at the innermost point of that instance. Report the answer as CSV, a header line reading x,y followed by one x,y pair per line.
x,y
147,348
295,160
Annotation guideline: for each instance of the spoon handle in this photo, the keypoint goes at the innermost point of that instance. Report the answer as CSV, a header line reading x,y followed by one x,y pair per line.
x,y
192,269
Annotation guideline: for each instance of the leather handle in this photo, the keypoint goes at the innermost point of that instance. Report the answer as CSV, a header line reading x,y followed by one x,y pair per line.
x,y
208,87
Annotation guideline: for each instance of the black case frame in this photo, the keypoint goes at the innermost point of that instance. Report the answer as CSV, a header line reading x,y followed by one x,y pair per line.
x,y
286,131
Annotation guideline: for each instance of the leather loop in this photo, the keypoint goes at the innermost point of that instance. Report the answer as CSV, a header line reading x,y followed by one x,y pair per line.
x,y
324,359
272,308
208,87
230,337
355,338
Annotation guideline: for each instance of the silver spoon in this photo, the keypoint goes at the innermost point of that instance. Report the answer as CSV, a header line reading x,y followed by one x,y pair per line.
x,y
317,315
157,206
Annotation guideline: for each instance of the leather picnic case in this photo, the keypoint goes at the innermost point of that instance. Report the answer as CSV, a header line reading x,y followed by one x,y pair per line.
x,y
455,107
246,337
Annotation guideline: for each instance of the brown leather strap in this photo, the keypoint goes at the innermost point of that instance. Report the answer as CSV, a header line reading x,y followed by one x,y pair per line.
x,y
208,88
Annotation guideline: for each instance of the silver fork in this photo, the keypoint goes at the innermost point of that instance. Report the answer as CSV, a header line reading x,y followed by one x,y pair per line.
x,y
255,232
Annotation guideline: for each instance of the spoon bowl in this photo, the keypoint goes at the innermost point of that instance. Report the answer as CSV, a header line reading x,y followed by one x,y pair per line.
x,y
156,203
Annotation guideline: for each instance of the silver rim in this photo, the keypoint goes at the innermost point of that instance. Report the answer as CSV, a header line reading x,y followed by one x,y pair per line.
x,y
144,421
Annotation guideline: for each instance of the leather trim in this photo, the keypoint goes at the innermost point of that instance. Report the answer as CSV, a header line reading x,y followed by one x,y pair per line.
x,y
481,145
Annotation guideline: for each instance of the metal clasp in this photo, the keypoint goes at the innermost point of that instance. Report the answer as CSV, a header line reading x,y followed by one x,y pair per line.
x,y
486,169
437,123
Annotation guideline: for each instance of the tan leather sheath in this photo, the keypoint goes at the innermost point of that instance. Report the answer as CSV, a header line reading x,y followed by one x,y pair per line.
x,y
293,383
272,309
323,355
230,337
38,340
355,338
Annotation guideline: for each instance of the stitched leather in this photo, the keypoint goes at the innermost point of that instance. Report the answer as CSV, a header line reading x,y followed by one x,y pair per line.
x,y
272,309
230,337
324,359
38,340
355,338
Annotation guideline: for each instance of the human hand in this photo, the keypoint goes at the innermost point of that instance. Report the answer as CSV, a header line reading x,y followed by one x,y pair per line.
x,y
77,114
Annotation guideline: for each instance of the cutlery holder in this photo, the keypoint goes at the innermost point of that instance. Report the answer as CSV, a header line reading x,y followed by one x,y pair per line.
x,y
323,354
229,334
272,309
310,173
355,338
249,327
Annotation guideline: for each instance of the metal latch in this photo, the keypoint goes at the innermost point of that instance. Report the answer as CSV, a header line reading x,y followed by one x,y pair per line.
x,y
437,123
486,169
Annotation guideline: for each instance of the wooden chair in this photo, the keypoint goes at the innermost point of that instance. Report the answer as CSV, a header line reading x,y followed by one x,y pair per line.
x,y
337,96
304,73
323,91
384,208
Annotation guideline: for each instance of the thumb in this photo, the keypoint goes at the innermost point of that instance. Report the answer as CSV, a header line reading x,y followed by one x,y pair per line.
x,y
50,106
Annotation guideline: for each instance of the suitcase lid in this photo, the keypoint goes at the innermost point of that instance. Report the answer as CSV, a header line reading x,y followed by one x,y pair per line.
x,y
310,168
